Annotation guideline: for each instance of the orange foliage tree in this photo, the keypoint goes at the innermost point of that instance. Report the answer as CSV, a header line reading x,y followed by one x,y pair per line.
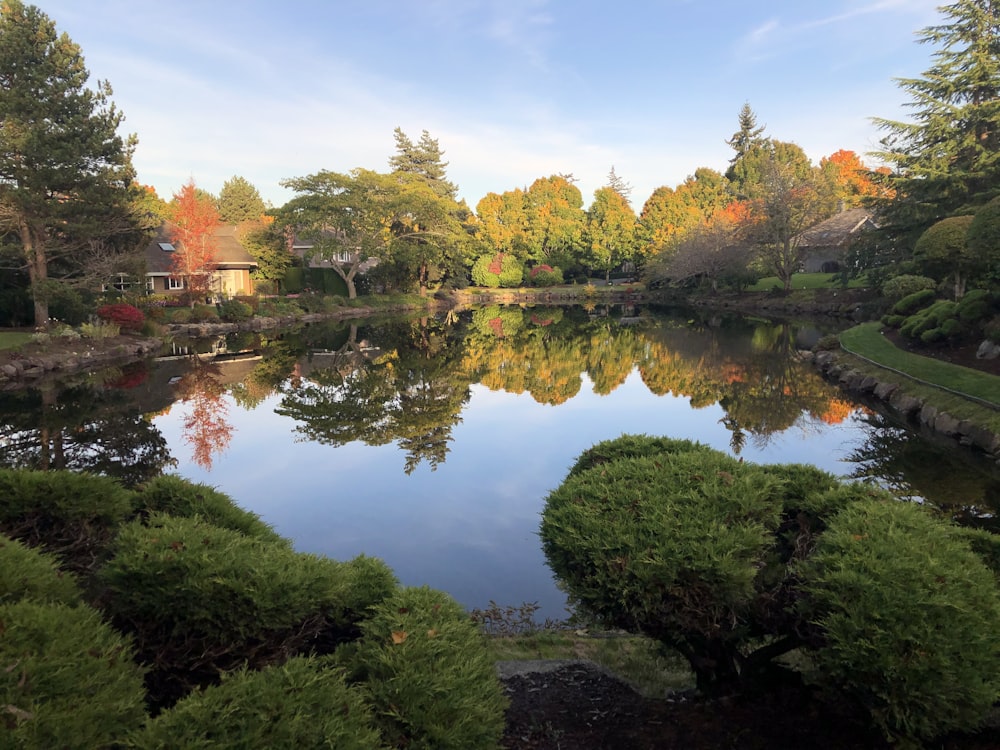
x,y
194,219
851,180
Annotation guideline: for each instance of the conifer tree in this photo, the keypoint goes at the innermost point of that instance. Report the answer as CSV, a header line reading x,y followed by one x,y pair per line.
x,y
239,201
65,172
423,159
748,138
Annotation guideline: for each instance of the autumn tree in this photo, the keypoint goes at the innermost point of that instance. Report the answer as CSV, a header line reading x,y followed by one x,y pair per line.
x,y
946,159
556,220
851,182
239,201
503,222
610,233
194,219
65,172
715,250
671,213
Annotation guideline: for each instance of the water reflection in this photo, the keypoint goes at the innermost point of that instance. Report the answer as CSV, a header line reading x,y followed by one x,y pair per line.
x,y
432,441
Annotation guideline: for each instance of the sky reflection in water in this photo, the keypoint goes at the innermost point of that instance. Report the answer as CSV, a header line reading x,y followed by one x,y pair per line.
x,y
470,526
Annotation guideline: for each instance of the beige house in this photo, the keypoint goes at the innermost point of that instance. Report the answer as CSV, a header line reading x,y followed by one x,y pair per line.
x,y
230,274
823,245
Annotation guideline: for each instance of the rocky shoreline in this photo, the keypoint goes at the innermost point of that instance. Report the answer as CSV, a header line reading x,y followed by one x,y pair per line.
x,y
891,392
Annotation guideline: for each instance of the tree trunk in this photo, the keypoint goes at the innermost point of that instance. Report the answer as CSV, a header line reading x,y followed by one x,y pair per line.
x,y
38,273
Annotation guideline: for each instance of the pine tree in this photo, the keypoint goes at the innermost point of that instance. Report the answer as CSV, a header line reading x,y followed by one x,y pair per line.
x,y
239,201
423,159
619,185
947,158
65,173
744,140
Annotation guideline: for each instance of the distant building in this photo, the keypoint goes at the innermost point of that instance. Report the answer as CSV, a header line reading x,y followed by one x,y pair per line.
x,y
823,245
230,274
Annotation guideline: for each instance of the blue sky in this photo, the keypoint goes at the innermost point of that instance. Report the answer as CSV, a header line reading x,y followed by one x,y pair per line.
x,y
512,89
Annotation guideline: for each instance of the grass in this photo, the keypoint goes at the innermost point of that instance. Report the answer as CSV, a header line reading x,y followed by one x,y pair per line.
x,y
866,341
13,339
639,661
808,281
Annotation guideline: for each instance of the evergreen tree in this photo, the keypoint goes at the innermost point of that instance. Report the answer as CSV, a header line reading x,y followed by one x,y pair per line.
x,y
744,140
619,185
423,159
239,201
947,158
58,139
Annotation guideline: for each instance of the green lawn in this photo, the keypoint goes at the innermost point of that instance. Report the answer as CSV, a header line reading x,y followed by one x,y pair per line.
x,y
866,341
808,281
13,339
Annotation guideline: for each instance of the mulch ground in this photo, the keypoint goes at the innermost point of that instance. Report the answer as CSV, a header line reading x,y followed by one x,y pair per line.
x,y
579,707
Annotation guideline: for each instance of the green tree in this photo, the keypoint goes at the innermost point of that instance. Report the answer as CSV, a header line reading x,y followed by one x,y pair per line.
x,y
65,172
743,141
946,159
943,251
239,201
268,245
424,159
610,234
556,220
502,221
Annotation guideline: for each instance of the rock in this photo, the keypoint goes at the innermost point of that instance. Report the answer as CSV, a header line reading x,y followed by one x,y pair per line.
x,y
947,425
988,350
883,391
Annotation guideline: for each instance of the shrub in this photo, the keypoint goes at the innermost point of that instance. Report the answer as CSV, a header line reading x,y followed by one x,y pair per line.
x,y
544,275
429,673
73,516
181,316
976,306
127,317
300,704
903,286
908,616
204,314
913,302
69,680
631,446
234,311
667,544
27,573
497,270
177,496
202,600
100,330
928,319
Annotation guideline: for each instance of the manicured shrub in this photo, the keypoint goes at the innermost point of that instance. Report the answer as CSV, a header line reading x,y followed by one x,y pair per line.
x,y
913,302
177,496
127,317
976,306
28,573
668,544
202,600
908,617
929,319
234,311
545,275
429,674
903,286
73,516
631,446
497,270
300,704
69,680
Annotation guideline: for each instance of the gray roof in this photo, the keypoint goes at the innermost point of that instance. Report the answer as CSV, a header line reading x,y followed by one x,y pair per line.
x,y
837,230
230,252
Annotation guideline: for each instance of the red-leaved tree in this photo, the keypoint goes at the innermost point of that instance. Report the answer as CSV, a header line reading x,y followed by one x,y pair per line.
x,y
194,219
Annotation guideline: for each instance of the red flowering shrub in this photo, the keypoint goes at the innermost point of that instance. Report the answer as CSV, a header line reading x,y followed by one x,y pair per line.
x,y
128,317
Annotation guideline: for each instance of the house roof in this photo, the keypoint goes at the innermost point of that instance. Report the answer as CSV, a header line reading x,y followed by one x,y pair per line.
x,y
230,252
836,230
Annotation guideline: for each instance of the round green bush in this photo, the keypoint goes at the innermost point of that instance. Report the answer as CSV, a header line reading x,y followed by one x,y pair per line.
x,y
902,286
235,311
202,600
669,545
177,496
69,680
27,573
300,704
631,446
73,516
909,617
429,674
497,270
976,306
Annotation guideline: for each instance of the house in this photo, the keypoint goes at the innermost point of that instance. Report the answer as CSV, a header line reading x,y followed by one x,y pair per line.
x,y
822,246
230,275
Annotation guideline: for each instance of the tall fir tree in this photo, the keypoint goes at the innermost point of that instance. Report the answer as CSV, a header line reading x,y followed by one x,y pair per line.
x,y
749,137
239,201
65,172
424,159
946,159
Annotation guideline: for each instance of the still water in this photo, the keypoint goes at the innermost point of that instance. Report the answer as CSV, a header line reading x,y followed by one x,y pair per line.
x,y
432,442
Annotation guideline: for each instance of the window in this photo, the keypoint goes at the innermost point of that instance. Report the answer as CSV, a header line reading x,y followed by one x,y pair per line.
x,y
166,247
174,283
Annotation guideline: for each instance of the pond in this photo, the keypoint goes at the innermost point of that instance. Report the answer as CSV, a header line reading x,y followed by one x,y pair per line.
x,y
432,442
